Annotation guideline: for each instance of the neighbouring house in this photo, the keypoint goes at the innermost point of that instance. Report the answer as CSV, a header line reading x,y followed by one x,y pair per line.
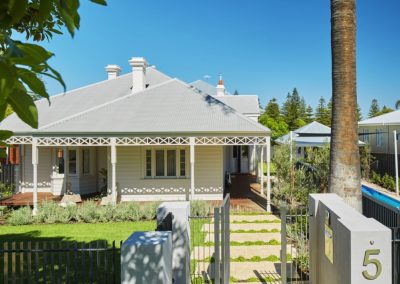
x,y
377,132
155,137
312,135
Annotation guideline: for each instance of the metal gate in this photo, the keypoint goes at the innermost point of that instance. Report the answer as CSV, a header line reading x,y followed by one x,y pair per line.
x,y
210,246
295,253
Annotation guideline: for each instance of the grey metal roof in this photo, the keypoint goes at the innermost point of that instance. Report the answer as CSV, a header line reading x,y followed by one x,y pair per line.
x,y
313,134
391,118
81,99
246,104
169,107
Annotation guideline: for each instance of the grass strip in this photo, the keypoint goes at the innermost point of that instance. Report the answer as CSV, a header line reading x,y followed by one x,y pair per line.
x,y
255,231
250,213
267,279
257,222
248,243
270,258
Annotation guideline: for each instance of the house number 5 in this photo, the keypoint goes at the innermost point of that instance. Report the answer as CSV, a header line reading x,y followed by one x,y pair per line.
x,y
373,261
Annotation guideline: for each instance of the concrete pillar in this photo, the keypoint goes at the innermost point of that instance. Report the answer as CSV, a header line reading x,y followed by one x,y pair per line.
x,y
268,174
114,170
180,238
35,161
345,246
192,153
146,257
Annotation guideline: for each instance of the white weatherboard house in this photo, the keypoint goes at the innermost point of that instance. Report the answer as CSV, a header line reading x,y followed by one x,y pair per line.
x,y
158,137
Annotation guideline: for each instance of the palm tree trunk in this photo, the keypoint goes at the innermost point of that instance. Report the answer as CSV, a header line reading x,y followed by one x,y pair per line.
x,y
344,176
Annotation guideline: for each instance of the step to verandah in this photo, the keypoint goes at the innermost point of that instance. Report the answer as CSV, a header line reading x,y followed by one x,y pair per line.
x,y
203,252
249,237
246,227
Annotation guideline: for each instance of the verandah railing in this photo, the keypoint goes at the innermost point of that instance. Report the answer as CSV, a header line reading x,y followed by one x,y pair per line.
x,y
59,262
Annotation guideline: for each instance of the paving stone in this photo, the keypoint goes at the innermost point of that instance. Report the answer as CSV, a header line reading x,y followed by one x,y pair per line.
x,y
245,251
252,218
246,226
249,237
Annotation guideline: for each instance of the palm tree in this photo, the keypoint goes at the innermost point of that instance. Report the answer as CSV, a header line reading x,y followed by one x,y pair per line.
x,y
344,176
397,104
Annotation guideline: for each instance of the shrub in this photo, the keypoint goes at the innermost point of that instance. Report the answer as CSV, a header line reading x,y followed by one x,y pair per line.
x,y
149,211
376,178
199,208
48,212
388,182
6,190
88,212
106,213
21,216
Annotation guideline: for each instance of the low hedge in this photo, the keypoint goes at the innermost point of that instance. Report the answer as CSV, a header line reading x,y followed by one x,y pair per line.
x,y
89,212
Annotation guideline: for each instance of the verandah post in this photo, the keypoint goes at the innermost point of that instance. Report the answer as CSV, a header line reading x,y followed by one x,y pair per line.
x,y
192,153
268,174
113,170
35,161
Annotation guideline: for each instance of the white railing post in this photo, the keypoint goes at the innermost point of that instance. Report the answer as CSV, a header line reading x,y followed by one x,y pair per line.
x,y
113,170
268,174
35,161
192,153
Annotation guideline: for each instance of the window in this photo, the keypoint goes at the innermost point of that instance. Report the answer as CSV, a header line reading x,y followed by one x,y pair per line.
x,y
365,135
245,151
182,162
167,163
235,151
72,161
86,161
171,163
148,163
60,161
378,138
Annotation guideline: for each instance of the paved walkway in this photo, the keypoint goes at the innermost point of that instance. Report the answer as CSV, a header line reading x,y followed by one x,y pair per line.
x,y
24,199
250,259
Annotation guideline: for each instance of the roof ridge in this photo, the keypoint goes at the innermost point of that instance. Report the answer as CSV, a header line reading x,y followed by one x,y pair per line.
x,y
104,104
234,110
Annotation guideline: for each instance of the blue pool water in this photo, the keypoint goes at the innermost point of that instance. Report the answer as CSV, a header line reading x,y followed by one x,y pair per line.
x,y
380,197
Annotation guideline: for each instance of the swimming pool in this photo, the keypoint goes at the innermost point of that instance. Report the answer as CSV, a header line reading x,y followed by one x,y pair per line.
x,y
380,197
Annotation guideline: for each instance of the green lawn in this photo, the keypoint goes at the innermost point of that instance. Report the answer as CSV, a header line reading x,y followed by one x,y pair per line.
x,y
80,232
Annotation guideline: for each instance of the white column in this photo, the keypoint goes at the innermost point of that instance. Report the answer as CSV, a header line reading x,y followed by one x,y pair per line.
x,y
192,142
35,161
396,162
268,174
66,168
113,170
262,171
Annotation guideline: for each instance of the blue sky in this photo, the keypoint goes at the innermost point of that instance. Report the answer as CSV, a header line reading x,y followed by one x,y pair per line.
x,y
261,47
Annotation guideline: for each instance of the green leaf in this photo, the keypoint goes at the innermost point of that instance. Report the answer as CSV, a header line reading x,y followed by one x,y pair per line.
x,y
7,79
33,54
5,134
24,106
101,2
34,83
44,10
17,10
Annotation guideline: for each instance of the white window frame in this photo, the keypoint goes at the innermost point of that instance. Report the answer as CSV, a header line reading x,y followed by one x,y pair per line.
x,y
77,161
153,162
365,135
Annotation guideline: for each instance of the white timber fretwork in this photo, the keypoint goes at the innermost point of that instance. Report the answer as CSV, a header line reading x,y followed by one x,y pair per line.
x,y
138,141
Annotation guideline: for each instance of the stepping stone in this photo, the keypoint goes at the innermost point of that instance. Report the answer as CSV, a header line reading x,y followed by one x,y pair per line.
x,y
245,251
246,226
249,237
252,218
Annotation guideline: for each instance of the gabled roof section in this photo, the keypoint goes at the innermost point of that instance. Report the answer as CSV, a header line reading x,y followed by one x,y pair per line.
x,y
245,104
169,107
313,134
391,118
82,99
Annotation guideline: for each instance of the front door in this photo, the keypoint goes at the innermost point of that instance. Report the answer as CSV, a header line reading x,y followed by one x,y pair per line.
x,y
240,159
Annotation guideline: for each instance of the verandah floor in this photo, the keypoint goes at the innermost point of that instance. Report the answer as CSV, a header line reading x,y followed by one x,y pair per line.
x,y
24,199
